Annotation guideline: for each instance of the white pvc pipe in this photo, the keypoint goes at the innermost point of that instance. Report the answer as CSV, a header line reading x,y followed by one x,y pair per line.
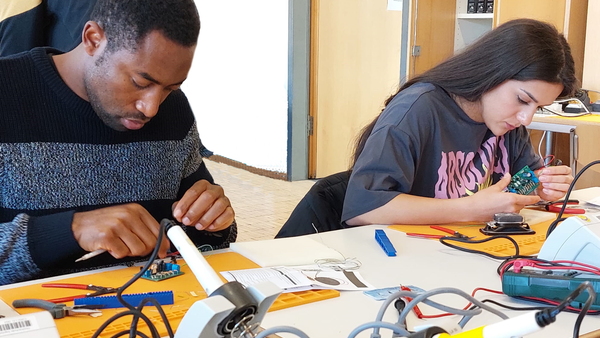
x,y
205,274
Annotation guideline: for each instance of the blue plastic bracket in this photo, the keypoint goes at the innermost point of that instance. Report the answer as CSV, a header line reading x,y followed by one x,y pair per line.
x,y
385,243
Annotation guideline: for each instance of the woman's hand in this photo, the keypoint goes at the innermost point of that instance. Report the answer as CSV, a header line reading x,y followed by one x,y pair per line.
x,y
554,182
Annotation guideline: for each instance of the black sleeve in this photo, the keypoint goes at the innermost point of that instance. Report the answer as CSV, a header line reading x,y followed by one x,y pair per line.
x,y
22,31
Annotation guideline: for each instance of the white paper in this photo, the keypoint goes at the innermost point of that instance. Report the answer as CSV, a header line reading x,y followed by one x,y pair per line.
x,y
394,5
300,278
299,250
595,201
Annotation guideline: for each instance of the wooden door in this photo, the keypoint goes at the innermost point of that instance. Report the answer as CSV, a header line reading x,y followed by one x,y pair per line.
x,y
355,66
435,20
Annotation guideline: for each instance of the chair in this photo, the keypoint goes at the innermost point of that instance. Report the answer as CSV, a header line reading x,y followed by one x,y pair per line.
x,y
321,207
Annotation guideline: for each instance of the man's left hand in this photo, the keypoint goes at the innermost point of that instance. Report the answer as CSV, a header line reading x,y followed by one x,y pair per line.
x,y
205,207
554,182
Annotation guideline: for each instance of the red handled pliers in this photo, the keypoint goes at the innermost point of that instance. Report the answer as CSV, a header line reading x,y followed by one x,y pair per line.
x,y
98,290
557,205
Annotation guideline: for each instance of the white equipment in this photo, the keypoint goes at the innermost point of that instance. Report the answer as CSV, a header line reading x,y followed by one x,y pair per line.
x,y
575,239
31,325
230,309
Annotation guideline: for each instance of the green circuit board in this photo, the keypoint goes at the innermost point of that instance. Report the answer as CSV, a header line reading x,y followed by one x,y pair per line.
x,y
523,182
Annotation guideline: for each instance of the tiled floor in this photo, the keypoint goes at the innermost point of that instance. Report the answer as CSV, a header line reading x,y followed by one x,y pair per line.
x,y
261,204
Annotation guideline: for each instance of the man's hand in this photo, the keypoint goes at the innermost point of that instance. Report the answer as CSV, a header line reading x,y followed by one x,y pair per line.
x,y
122,230
205,207
487,202
554,182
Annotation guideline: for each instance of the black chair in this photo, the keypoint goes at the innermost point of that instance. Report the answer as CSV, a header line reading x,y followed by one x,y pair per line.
x,y
321,207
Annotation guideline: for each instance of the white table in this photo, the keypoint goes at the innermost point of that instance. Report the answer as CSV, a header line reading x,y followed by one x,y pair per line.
x,y
420,262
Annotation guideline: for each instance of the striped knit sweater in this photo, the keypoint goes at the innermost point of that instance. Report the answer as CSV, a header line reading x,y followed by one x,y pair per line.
x,y
57,157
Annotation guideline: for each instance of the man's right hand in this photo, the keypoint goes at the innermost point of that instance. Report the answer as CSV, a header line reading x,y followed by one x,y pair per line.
x,y
122,230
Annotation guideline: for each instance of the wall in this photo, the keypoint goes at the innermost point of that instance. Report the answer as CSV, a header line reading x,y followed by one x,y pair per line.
x,y
238,82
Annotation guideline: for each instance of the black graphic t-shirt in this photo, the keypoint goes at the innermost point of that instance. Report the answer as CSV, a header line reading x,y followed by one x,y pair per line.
x,y
424,144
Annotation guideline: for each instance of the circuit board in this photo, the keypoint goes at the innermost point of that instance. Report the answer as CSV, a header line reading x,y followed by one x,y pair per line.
x,y
523,182
161,270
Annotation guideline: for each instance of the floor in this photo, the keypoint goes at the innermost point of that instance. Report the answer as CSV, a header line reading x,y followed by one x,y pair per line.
x,y
261,204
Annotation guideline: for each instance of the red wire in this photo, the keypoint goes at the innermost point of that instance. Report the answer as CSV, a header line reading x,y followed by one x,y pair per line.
x,y
546,164
531,263
423,316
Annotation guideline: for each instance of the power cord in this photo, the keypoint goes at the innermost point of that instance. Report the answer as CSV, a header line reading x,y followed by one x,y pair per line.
x,y
137,312
444,240
585,111
559,218
421,298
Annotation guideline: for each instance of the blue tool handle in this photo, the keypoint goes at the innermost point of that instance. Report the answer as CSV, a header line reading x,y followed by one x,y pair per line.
x,y
56,310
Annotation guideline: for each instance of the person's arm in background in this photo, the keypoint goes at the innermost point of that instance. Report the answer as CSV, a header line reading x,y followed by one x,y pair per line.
x,y
21,26
30,245
479,207
16,263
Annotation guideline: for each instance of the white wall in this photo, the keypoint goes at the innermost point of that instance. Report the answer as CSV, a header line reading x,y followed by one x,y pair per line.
x,y
238,82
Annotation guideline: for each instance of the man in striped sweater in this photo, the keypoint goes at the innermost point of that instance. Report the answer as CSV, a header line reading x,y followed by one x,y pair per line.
x,y
99,144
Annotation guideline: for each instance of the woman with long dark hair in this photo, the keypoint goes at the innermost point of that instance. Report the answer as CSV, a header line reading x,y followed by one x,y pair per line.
x,y
446,144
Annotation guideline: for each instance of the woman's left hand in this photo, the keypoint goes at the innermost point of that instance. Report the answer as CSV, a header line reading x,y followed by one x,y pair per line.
x,y
554,182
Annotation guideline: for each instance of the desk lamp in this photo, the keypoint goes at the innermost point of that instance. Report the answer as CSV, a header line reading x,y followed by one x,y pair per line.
x,y
230,308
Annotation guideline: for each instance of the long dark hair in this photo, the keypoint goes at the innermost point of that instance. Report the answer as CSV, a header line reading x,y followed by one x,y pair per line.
x,y
522,49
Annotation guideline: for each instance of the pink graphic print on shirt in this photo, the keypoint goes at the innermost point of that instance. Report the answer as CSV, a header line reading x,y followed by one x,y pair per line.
x,y
463,174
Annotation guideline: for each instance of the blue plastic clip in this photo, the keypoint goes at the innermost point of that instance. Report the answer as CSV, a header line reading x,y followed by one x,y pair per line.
x,y
385,243
111,302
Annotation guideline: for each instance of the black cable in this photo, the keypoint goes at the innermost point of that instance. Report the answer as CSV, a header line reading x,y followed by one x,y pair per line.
x,y
471,241
514,308
124,332
566,114
571,297
135,312
508,262
585,309
559,218
160,311
117,316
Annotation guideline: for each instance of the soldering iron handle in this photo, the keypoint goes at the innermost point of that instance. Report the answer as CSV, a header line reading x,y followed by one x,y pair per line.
x,y
205,274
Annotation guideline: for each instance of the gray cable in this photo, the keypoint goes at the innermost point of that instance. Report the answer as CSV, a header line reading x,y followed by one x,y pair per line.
x,y
279,329
378,325
409,294
464,321
418,298
455,291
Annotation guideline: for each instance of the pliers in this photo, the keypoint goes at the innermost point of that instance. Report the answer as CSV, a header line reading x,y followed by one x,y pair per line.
x,y
57,310
436,227
557,205
98,290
